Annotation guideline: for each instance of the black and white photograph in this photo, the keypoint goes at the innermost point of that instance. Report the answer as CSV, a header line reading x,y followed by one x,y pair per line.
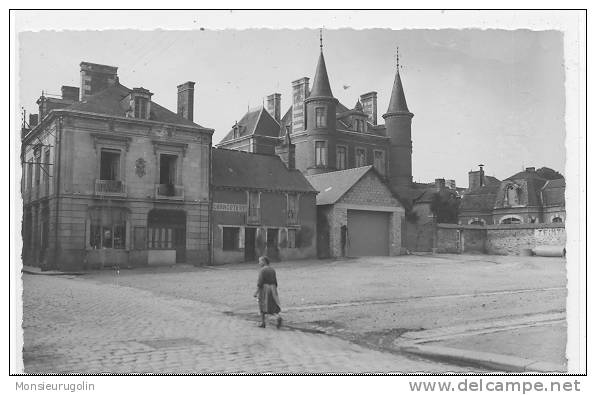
x,y
298,192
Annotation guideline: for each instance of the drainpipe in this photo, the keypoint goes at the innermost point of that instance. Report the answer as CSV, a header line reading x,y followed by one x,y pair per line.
x,y
210,206
57,169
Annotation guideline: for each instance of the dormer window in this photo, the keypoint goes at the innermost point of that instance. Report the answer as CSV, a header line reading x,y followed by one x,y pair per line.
x,y
512,195
359,125
141,103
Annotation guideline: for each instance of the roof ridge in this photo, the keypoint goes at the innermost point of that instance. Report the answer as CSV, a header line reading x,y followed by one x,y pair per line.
x,y
341,171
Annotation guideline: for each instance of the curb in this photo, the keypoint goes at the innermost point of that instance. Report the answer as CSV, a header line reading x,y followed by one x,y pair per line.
x,y
496,362
50,273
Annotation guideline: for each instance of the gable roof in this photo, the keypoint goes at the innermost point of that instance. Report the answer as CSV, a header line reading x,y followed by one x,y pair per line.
x,y
257,121
332,186
109,102
481,199
239,169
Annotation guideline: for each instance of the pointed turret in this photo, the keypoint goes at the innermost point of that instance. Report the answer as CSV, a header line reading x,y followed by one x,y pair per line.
x,y
358,106
398,123
320,86
397,103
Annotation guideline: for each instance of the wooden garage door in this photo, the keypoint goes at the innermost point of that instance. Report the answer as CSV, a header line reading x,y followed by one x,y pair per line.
x,y
368,233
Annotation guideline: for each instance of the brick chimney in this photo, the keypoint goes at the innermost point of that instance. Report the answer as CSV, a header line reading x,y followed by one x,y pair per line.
x,y
476,178
186,100
274,106
70,93
96,77
300,91
439,184
287,150
369,106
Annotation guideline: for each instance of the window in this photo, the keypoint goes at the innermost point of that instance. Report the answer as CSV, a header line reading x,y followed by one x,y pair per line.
x,y
359,125
512,196
231,239
360,157
141,107
108,228
110,165
477,222
511,220
320,117
292,238
46,174
342,158
320,153
557,220
29,174
253,204
379,162
167,169
292,208
37,168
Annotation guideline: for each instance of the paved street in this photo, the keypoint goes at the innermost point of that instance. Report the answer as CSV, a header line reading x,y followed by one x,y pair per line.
x,y
342,316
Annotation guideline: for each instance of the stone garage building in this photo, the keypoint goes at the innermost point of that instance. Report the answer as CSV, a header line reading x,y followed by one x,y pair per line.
x,y
357,214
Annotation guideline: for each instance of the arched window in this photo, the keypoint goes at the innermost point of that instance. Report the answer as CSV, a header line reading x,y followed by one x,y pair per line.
x,y
512,195
557,220
477,222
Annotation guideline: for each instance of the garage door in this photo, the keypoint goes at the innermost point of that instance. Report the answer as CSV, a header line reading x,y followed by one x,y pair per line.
x,y
368,233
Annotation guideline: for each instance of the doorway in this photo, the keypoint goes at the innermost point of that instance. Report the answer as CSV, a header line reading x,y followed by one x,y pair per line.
x,y
250,254
166,230
272,239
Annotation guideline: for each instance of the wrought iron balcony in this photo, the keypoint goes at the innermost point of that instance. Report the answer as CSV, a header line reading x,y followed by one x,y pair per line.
x,y
169,191
110,188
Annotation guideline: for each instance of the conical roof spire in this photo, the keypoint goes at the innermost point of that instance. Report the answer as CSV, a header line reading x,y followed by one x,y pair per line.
x,y
397,103
320,86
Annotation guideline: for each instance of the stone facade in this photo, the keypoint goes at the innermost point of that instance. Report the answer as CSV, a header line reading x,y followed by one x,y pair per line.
x,y
503,239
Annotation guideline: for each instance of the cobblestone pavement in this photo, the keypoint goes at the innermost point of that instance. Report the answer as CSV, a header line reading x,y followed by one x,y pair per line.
x,y
74,325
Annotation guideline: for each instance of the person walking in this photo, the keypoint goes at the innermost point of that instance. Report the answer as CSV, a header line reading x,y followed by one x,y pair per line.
x,y
266,292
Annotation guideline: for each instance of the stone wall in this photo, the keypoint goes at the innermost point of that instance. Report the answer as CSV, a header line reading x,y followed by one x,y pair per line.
x,y
500,239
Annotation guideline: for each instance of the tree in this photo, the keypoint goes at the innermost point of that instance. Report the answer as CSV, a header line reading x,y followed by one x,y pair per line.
x,y
549,174
445,206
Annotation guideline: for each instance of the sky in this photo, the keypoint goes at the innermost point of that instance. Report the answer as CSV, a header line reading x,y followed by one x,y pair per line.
x,y
495,97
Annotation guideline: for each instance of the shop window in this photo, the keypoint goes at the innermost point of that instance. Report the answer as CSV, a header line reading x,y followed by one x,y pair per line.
x,y
110,165
360,157
231,238
108,228
342,158
320,117
320,153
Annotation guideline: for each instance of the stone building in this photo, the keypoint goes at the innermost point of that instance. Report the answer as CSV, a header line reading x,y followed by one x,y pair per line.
x,y
524,198
330,136
261,205
357,214
110,177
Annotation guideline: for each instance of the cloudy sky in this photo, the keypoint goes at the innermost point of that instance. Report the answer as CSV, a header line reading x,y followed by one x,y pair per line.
x,y
479,96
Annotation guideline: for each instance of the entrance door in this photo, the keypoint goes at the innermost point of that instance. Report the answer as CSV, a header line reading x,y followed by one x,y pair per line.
x,y
167,231
249,244
272,237
368,233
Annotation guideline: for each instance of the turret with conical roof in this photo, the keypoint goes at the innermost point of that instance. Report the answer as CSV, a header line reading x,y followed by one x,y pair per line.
x,y
320,109
398,123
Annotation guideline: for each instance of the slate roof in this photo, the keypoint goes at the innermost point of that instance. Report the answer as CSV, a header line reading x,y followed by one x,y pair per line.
x,y
480,199
397,103
257,121
109,102
320,86
239,169
332,186
553,192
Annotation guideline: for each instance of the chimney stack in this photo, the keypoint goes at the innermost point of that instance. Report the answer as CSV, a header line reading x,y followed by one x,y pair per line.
x,y
70,93
287,151
274,106
369,106
439,184
96,77
476,178
300,91
186,100
33,120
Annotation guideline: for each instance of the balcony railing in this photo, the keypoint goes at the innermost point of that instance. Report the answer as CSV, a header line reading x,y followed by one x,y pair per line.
x,y
169,191
253,216
110,188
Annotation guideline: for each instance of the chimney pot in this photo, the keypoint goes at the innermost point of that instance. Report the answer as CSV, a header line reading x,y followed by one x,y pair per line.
x,y
530,169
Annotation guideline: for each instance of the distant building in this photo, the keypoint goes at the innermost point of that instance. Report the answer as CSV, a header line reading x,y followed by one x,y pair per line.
x,y
261,205
110,177
357,214
525,197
